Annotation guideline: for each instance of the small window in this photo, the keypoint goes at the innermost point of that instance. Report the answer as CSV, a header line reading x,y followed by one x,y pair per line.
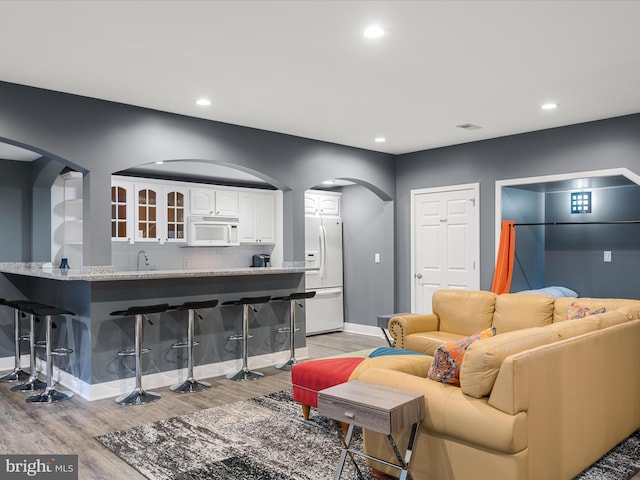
x,y
581,202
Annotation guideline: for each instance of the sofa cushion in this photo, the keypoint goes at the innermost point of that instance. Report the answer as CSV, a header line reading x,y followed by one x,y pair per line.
x,y
573,329
515,311
611,318
631,308
448,358
482,360
427,342
464,312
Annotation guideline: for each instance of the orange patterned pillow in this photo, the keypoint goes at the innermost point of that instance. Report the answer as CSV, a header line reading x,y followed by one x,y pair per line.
x,y
447,359
577,310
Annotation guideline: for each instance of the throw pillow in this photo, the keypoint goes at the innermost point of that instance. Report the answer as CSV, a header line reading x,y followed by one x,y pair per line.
x,y
577,310
447,359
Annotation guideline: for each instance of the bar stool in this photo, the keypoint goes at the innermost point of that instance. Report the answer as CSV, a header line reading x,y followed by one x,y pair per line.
x,y
17,374
246,302
138,396
50,394
191,385
32,383
293,301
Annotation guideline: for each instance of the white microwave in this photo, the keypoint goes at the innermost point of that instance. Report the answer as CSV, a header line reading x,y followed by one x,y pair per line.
x,y
206,231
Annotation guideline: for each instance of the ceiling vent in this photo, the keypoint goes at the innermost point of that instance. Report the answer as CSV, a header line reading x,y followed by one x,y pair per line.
x,y
469,126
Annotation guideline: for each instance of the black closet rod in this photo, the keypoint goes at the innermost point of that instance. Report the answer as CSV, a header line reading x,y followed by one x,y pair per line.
x,y
613,222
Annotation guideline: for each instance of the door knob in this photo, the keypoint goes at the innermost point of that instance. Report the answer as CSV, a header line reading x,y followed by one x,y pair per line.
x,y
418,275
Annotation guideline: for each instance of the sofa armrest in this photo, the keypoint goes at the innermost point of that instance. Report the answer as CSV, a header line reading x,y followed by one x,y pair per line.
x,y
403,325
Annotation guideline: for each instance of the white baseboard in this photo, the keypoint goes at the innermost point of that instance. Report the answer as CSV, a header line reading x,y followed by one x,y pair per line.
x,y
370,330
7,363
115,388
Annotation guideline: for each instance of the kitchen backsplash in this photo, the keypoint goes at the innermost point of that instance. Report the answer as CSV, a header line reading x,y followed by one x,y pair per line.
x,y
171,257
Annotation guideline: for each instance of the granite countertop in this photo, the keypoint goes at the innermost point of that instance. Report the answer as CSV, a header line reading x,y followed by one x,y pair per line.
x,y
109,273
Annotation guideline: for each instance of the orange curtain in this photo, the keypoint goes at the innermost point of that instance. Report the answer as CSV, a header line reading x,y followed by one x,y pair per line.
x,y
506,255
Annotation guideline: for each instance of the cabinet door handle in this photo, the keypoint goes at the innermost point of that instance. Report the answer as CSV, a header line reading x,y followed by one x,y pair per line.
x,y
418,275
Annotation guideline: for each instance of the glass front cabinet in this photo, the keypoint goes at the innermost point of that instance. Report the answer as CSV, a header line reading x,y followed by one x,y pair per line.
x,y
176,218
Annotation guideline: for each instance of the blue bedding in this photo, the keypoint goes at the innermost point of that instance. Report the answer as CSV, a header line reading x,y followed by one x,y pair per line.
x,y
553,291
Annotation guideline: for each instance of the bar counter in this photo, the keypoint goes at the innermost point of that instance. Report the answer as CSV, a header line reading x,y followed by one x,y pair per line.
x,y
94,370
103,274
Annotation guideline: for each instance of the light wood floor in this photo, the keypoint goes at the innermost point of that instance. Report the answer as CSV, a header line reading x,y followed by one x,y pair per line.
x,y
70,427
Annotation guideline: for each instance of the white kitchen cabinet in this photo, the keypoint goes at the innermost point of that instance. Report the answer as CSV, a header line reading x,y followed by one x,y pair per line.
x,y
325,204
202,201
148,213
257,217
227,203
175,214
122,211
208,202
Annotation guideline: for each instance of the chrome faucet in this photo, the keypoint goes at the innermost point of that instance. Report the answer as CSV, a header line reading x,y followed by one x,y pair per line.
x,y
146,259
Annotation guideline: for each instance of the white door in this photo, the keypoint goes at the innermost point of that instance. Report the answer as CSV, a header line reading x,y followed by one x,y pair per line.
x,y
446,242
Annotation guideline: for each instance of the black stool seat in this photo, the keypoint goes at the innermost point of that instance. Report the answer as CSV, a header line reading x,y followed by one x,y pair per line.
x,y
246,302
195,305
19,303
44,310
50,394
296,296
144,310
138,396
191,385
293,299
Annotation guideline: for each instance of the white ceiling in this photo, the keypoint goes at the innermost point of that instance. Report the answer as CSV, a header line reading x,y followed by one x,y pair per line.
x,y
304,67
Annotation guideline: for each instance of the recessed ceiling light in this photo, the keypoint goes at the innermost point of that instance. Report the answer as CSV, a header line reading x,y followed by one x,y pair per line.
x,y
329,182
159,163
203,102
374,31
379,139
549,106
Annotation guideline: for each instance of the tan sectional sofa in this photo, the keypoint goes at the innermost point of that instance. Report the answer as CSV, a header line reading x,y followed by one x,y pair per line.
x,y
543,399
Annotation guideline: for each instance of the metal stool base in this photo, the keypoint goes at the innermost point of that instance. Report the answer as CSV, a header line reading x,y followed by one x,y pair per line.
x,y
190,386
287,365
15,376
50,396
32,385
137,397
245,374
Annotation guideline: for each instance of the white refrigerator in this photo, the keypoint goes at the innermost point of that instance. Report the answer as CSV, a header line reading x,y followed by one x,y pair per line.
x,y
323,250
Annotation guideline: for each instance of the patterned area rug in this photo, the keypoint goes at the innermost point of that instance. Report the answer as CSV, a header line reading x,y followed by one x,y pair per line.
x,y
621,463
262,438
214,444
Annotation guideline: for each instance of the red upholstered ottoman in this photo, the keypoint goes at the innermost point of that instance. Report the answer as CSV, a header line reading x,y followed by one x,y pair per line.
x,y
308,378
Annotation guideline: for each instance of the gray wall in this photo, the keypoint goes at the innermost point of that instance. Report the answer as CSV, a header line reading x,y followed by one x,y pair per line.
x,y
100,138
367,230
597,145
574,253
524,206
